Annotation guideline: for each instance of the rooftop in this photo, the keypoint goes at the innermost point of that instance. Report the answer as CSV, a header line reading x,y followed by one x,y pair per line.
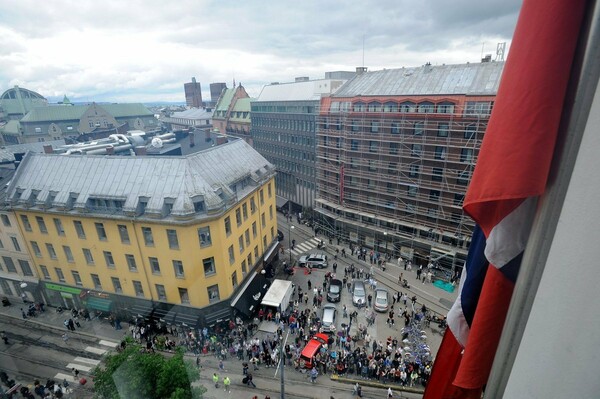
x,y
58,113
7,153
310,90
470,79
193,113
198,186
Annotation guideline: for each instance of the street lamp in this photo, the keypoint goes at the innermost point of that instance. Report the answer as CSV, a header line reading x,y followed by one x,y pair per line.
x,y
290,241
385,235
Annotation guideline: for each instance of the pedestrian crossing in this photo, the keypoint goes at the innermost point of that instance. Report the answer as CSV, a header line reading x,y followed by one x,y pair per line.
x,y
84,364
306,246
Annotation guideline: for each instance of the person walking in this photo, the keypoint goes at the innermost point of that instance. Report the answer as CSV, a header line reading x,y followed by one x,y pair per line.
x,y
215,379
313,375
390,393
250,382
226,383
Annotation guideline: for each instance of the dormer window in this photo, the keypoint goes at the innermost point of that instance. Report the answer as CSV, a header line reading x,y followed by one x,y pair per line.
x,y
142,204
168,206
71,200
199,205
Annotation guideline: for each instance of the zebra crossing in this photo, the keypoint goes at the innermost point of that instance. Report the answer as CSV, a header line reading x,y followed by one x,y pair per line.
x,y
84,364
306,246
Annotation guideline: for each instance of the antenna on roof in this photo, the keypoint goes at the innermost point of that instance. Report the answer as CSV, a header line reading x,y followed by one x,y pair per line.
x,y
363,58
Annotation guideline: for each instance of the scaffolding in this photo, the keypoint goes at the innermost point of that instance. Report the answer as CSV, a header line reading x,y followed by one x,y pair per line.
x,y
390,178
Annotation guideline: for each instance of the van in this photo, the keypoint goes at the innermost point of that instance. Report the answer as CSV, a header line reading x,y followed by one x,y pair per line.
x,y
311,349
359,293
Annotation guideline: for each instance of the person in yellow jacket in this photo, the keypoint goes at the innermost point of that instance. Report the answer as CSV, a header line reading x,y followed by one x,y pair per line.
x,y
216,380
226,383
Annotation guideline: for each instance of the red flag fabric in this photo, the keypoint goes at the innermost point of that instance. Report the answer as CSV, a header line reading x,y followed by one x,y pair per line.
x,y
511,172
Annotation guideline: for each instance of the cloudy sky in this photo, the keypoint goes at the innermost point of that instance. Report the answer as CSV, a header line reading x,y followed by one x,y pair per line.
x,y
133,50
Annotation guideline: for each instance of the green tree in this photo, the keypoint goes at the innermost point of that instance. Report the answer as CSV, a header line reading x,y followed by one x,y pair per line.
x,y
134,374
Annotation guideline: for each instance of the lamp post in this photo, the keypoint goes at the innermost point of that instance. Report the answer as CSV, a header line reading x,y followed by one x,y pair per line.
x,y
290,241
385,235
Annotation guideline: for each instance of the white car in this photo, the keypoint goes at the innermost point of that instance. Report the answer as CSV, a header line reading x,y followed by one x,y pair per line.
x,y
313,260
328,318
382,302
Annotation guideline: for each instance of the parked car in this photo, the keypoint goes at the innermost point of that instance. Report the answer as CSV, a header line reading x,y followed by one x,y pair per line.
x,y
382,302
334,293
328,318
359,294
312,348
313,260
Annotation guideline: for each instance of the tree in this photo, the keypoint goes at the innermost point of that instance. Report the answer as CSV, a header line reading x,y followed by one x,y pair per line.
x,y
133,373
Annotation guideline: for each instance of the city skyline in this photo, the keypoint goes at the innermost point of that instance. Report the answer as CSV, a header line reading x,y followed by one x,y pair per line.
x,y
144,52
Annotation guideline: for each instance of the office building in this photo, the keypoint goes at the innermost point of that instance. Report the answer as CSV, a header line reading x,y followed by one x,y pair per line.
x,y
215,91
283,131
395,153
193,94
175,238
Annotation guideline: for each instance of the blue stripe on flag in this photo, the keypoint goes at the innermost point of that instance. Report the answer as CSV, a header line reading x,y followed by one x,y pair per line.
x,y
476,265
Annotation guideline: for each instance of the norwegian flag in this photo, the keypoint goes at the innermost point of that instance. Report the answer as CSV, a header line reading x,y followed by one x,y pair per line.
x,y
511,173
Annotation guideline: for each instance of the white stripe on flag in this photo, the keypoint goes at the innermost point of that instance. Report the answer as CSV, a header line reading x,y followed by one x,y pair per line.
x,y
456,317
509,237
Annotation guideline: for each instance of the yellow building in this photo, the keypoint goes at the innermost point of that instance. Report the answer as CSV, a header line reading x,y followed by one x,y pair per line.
x,y
171,237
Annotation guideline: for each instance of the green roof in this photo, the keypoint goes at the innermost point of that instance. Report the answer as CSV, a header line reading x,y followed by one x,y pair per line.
x,y
12,127
65,113
242,105
225,99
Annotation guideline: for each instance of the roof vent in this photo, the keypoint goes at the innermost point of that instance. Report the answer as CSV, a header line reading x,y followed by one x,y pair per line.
x,y
361,70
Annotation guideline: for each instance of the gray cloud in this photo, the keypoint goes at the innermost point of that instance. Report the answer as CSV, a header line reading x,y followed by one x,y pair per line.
x,y
115,50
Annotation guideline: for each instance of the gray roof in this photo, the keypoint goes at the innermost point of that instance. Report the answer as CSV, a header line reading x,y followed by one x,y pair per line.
x,y
310,90
470,79
193,113
208,176
75,112
7,152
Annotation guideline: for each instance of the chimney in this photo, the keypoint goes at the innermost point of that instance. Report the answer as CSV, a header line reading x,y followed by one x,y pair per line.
x,y
361,70
221,140
207,135
140,150
192,139
48,149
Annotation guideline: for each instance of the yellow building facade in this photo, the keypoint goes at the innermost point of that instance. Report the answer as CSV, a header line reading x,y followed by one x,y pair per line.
x,y
149,246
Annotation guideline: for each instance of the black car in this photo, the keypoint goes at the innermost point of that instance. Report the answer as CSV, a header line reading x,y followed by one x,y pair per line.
x,y
334,293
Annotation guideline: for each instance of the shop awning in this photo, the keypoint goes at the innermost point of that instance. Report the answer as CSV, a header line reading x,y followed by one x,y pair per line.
x,y
248,298
280,202
100,304
271,251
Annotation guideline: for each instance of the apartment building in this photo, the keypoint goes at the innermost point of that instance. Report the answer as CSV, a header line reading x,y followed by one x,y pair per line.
x,y
175,238
395,153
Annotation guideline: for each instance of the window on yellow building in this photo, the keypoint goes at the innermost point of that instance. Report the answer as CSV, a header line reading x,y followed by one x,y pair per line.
x,y
254,231
123,233
270,212
36,249
68,253
101,232
244,269
263,220
5,220
10,265
15,243
269,190
51,251
252,205
234,280
231,255
137,287
89,259
154,265
213,293
148,238
238,217
77,278
59,227
45,272
183,295
131,262
245,211
178,269
41,224
116,284
247,235
26,224
110,262
204,236
172,238
96,281
256,251
241,243
59,274
79,229
160,291
227,226
272,233
209,266
262,197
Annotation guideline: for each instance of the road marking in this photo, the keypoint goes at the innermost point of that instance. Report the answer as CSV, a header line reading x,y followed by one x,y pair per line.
x,y
79,367
109,343
97,351
60,377
86,360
